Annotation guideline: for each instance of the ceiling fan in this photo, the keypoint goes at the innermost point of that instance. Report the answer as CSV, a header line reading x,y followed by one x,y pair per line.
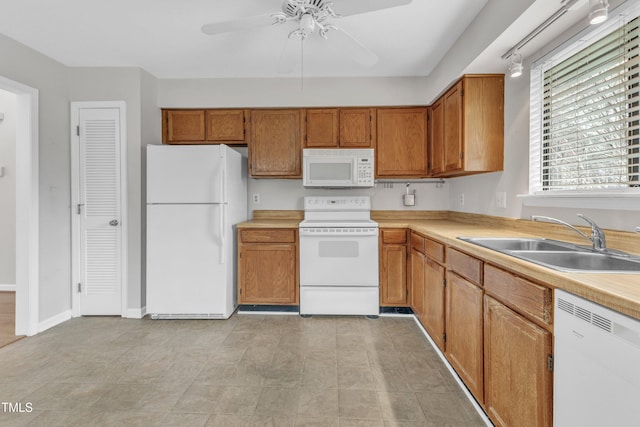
x,y
310,15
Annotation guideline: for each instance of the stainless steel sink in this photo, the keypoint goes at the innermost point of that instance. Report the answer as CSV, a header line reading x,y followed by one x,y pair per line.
x,y
563,256
521,244
581,261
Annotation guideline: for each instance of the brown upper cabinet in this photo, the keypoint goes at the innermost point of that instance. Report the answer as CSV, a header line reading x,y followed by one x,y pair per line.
x,y
339,128
218,126
401,146
275,143
436,137
467,127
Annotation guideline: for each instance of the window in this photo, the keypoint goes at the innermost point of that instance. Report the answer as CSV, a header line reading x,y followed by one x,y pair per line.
x,y
586,116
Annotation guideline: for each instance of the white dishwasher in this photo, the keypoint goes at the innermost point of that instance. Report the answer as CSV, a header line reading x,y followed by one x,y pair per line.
x,y
597,365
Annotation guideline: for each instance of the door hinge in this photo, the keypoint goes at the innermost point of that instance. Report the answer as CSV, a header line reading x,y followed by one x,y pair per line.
x,y
461,155
79,208
550,362
79,287
444,337
462,92
78,130
444,283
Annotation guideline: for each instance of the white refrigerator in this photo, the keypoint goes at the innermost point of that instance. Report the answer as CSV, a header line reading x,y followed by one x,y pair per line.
x,y
195,196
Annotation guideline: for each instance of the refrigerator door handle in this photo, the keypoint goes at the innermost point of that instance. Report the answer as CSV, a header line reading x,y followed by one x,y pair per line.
x,y
222,179
223,249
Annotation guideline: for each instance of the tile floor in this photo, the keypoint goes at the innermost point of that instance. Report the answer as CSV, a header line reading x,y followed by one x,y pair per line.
x,y
250,370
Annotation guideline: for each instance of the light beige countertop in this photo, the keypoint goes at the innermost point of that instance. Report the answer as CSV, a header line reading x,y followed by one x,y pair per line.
x,y
274,219
620,292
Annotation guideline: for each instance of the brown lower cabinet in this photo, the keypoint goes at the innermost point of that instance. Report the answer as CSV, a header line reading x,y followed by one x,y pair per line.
x,y
393,267
518,383
498,329
268,266
434,293
464,332
416,291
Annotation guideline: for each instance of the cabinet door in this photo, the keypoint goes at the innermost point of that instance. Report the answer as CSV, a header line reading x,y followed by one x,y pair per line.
x,y
183,126
267,274
464,332
401,146
276,143
322,128
225,126
355,128
417,283
393,275
434,294
453,150
518,384
436,142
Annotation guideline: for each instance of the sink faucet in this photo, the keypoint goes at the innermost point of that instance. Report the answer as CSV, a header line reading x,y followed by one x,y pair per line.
x,y
597,234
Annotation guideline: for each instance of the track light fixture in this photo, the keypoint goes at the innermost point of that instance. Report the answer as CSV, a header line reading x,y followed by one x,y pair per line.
x,y
598,11
516,67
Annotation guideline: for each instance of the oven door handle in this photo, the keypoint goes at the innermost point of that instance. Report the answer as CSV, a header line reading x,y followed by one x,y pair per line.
x,y
320,233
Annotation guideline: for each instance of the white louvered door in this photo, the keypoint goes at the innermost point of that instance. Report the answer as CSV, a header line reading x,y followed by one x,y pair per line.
x,y
100,281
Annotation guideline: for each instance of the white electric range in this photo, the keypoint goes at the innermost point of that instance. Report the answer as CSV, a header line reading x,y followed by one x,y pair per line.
x,y
338,257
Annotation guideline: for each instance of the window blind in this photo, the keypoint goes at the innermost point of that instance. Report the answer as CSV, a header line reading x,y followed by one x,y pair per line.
x,y
590,116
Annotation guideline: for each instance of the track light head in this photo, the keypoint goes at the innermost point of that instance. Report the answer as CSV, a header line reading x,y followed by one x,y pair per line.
x,y
598,11
516,68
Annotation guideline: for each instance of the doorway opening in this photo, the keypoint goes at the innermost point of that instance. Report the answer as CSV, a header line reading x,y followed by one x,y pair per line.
x,y
7,218
26,206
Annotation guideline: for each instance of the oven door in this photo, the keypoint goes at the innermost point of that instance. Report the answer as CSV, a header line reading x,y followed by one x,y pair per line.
x,y
339,258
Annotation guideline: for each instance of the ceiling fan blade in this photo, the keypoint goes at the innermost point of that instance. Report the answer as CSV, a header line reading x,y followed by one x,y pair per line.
x,y
359,52
354,7
240,24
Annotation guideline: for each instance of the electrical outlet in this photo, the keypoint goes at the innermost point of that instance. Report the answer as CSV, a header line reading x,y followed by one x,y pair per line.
x,y
461,199
501,199
256,199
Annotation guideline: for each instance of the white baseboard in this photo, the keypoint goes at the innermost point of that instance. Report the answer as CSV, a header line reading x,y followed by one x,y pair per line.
x,y
7,288
136,313
54,320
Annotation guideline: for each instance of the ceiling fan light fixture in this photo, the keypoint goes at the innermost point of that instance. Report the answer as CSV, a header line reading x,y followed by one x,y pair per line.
x,y
598,11
307,24
516,68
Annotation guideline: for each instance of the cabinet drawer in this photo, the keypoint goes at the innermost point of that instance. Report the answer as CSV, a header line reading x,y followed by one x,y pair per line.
x,y
434,250
465,265
397,235
267,236
519,294
417,242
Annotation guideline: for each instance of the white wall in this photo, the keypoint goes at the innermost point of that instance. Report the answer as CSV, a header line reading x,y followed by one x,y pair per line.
x,y
493,20
288,194
49,77
8,189
287,92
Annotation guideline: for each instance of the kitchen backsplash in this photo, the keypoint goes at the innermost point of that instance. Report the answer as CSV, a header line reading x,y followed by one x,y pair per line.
x,y
287,194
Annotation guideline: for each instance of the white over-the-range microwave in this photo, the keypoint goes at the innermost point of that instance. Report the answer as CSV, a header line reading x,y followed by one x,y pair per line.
x,y
326,167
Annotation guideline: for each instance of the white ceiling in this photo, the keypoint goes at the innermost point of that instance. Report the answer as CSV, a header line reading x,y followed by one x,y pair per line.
x,y
164,38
